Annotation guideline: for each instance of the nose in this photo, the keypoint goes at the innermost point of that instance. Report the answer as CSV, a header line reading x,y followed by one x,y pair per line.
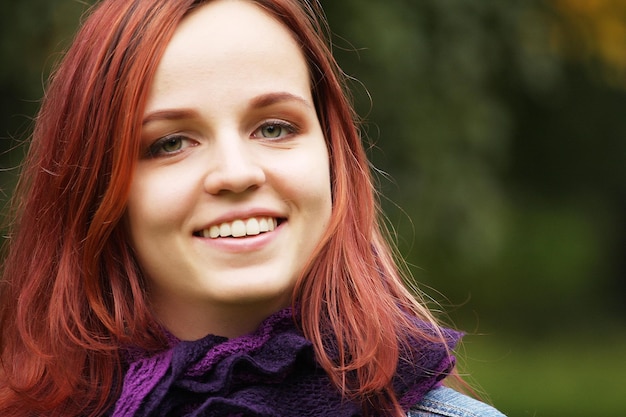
x,y
234,167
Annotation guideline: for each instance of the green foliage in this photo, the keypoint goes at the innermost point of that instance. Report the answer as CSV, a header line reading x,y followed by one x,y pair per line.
x,y
33,34
508,184
442,130
455,87
564,376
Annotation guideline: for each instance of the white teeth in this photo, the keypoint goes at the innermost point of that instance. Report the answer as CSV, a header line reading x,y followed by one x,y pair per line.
x,y
252,227
239,228
225,229
214,232
263,227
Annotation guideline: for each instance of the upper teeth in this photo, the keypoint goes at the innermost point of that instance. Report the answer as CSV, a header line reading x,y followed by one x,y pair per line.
x,y
239,228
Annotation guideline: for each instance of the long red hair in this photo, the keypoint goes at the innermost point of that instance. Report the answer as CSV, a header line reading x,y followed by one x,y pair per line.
x,y
72,293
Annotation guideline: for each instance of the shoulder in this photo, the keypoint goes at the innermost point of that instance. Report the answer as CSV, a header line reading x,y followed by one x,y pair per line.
x,y
447,402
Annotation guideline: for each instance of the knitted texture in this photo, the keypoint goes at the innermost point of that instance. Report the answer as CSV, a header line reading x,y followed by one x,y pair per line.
x,y
271,372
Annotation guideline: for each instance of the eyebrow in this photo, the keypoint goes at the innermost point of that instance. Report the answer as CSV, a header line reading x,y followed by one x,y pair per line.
x,y
267,100
170,114
264,100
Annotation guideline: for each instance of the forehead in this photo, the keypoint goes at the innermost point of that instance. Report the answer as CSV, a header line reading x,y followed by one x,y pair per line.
x,y
234,20
225,35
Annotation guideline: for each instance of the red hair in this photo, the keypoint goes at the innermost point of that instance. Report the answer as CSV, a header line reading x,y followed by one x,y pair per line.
x,y
71,291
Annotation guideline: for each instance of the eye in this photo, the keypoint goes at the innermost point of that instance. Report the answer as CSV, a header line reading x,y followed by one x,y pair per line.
x,y
275,130
271,131
168,145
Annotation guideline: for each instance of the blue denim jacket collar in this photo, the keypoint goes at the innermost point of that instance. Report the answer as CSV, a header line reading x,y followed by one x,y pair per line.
x,y
447,402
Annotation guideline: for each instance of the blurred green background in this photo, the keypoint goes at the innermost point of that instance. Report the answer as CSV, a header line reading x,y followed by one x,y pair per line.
x,y
497,127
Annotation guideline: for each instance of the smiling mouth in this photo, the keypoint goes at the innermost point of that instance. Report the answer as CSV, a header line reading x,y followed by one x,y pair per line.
x,y
240,228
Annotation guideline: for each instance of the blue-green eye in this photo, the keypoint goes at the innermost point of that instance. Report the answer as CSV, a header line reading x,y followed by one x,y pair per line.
x,y
167,145
172,145
271,131
275,130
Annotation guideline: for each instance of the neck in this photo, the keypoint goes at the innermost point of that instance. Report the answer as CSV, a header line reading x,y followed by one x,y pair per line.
x,y
193,322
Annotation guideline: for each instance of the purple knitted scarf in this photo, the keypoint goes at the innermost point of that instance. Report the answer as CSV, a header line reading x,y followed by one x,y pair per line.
x,y
271,372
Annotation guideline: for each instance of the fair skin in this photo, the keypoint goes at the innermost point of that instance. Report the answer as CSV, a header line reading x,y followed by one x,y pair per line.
x,y
231,192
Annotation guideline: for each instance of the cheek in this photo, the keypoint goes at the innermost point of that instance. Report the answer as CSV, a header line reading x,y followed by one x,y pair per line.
x,y
156,202
308,182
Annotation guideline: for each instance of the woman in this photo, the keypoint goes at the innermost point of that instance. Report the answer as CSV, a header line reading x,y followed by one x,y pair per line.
x,y
196,231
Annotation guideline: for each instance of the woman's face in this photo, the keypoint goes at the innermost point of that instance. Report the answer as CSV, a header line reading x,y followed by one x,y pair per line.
x,y
232,189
